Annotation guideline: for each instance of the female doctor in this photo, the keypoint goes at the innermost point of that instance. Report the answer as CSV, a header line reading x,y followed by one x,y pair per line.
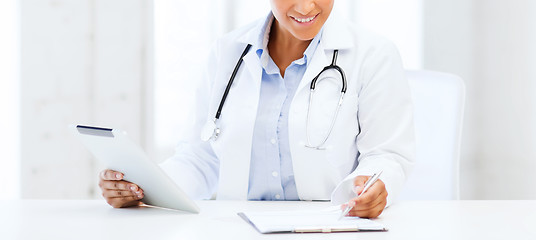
x,y
297,106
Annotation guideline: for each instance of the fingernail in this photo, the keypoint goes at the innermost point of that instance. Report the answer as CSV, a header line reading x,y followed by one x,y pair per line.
x,y
138,192
139,196
132,188
117,176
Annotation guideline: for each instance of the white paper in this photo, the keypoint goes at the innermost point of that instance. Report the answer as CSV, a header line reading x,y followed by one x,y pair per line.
x,y
315,221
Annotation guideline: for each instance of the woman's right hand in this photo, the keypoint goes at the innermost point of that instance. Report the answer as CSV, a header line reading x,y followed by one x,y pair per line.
x,y
117,192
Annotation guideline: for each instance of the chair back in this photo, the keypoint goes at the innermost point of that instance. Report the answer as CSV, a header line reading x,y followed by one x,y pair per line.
x,y
438,100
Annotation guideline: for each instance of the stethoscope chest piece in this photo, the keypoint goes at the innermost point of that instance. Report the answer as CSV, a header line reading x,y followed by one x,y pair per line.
x,y
210,131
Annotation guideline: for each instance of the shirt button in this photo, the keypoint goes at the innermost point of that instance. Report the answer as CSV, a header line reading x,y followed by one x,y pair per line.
x,y
277,196
275,174
272,140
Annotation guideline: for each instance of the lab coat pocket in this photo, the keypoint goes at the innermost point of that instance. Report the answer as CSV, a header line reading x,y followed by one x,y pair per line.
x,y
329,122
341,145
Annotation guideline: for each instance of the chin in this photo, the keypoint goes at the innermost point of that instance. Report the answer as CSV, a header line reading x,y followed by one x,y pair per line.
x,y
306,33
306,36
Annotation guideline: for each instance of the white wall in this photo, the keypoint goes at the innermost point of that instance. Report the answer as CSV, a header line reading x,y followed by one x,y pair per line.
x,y
9,100
505,51
82,62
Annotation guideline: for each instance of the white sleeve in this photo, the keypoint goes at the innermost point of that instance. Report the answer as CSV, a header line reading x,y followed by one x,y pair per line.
x,y
194,166
387,138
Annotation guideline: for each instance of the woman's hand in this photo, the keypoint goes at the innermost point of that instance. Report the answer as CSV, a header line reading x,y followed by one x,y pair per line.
x,y
372,202
119,193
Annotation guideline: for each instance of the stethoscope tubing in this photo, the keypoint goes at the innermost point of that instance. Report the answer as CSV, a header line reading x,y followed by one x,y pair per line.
x,y
231,80
341,98
332,66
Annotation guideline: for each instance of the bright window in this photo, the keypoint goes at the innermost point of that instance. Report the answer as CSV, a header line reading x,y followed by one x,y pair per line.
x,y
400,21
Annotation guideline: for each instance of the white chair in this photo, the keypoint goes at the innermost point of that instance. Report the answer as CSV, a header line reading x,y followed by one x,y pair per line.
x,y
438,100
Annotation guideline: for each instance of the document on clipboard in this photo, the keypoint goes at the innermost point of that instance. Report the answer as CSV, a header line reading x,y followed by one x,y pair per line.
x,y
321,221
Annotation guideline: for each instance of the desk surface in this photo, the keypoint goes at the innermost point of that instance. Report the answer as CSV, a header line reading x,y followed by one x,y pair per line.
x,y
94,219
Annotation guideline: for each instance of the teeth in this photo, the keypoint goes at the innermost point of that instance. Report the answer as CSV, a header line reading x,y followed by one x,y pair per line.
x,y
304,20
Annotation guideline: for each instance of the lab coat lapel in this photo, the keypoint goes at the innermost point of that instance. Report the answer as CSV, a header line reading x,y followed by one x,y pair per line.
x,y
235,163
234,170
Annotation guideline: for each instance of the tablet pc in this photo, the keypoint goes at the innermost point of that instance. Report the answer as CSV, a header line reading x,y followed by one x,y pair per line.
x,y
118,152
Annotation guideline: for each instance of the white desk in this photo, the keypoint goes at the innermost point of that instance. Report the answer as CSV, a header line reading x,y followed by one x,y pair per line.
x,y
94,219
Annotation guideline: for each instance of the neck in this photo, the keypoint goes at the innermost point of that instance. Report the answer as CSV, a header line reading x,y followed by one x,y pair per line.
x,y
283,39
284,48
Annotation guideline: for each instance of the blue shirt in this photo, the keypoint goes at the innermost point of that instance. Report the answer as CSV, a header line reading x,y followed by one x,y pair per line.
x,y
271,176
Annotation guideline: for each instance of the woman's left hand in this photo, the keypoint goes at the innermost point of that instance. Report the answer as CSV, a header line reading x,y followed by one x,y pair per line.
x,y
372,202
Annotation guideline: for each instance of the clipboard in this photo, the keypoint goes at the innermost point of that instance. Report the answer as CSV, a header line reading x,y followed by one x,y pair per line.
x,y
313,221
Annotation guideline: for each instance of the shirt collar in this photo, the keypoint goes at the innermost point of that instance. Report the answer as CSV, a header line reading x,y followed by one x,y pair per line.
x,y
261,44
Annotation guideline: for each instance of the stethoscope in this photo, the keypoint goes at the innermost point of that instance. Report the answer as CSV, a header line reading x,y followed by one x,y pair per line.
x,y
212,131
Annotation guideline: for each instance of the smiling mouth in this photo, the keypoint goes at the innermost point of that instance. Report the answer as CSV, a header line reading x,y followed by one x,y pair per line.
x,y
304,20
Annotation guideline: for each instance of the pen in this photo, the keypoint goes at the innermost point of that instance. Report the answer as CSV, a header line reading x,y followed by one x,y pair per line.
x,y
368,184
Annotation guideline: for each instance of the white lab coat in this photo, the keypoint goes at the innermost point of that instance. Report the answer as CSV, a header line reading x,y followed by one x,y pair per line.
x,y
374,126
